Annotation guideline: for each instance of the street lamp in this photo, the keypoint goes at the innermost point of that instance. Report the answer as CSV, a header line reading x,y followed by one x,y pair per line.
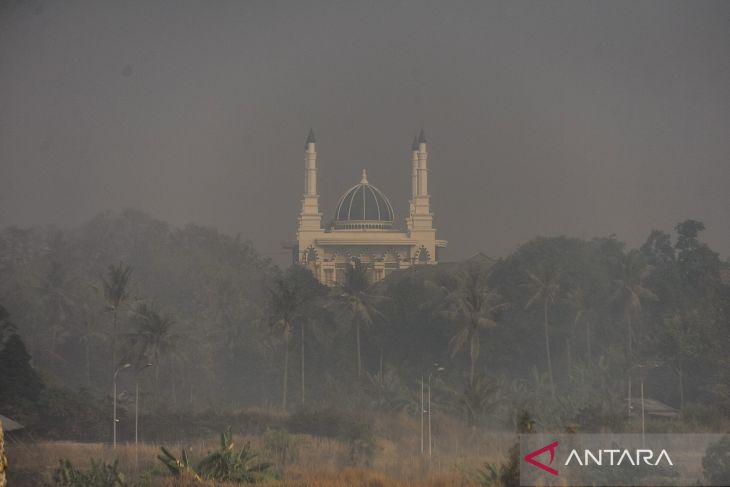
x,y
114,394
430,442
136,412
436,368
643,371
422,411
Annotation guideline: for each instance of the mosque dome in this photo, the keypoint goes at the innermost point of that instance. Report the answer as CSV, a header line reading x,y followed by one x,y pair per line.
x,y
363,207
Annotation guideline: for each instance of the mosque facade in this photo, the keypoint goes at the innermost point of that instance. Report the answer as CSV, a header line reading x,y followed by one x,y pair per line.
x,y
364,225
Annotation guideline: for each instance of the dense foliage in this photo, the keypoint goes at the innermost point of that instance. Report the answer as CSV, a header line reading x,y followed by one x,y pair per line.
x,y
563,328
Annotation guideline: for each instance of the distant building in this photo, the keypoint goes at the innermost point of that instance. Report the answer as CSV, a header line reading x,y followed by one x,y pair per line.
x,y
9,424
363,226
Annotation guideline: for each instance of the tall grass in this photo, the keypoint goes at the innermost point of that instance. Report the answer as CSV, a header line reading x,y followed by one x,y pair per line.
x,y
318,462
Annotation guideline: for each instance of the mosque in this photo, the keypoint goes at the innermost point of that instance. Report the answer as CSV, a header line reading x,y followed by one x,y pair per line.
x,y
363,226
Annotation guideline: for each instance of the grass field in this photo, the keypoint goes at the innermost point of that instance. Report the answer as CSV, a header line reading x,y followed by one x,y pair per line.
x,y
311,461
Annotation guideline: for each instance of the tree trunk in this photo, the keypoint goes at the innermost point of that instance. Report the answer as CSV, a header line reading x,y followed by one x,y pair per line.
x,y
114,341
381,365
156,356
359,359
547,349
681,391
174,386
588,341
286,373
568,355
629,333
302,353
53,339
88,362
629,397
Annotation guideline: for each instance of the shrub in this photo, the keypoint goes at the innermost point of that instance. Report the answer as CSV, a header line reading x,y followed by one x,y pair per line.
x,y
716,462
282,446
327,422
223,465
361,444
74,415
100,474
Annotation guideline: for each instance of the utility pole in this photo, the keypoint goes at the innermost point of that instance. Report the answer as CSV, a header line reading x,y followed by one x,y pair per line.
x,y
437,369
114,394
421,415
642,413
429,418
136,416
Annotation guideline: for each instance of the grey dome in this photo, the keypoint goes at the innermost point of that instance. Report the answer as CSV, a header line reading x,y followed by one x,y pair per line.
x,y
364,206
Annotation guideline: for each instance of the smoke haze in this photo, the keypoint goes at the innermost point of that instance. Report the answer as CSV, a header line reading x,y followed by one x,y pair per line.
x,y
576,118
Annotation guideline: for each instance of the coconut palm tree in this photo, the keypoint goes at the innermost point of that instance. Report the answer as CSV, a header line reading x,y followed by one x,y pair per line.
x,y
631,290
87,333
546,287
115,286
360,304
580,302
293,301
474,307
479,398
153,337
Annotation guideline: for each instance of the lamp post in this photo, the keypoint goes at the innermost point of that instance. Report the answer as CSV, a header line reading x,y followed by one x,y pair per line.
x,y
643,370
422,411
430,441
136,413
114,395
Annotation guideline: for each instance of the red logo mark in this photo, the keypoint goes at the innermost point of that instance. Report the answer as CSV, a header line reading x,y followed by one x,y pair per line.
x,y
530,457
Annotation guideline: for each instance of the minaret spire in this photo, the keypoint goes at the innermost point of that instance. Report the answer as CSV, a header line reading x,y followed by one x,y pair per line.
x,y
423,167
310,164
310,138
420,221
310,217
414,171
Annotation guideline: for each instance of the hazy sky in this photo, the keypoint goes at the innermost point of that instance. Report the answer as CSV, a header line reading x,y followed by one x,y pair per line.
x,y
543,118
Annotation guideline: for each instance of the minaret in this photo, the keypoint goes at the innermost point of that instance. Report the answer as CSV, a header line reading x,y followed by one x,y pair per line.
x,y
310,218
422,198
310,165
420,219
414,174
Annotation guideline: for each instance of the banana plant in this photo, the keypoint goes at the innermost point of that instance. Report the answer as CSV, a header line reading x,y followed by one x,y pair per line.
x,y
223,465
178,467
229,464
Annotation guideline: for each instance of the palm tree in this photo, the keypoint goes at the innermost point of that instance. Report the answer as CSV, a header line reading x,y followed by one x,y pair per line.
x,y
631,290
361,306
284,309
153,337
292,304
546,287
56,299
116,292
474,306
579,300
87,333
479,398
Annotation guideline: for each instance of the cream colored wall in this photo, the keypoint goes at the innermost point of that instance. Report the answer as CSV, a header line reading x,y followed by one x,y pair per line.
x,y
333,247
